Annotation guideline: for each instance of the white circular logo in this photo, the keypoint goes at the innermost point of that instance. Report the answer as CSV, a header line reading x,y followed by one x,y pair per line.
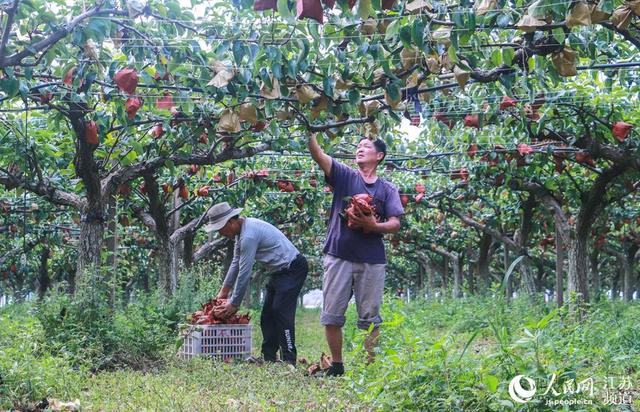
x,y
520,394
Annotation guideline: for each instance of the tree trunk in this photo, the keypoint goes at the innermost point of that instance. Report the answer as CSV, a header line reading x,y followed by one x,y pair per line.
x,y
445,272
457,277
483,261
506,261
528,282
44,281
596,279
88,270
471,267
577,274
559,267
187,255
164,261
111,239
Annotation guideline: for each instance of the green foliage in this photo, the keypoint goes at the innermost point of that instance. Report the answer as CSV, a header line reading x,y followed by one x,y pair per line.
x,y
462,354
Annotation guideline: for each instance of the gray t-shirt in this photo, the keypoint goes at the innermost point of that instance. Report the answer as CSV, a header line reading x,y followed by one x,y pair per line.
x,y
353,244
261,241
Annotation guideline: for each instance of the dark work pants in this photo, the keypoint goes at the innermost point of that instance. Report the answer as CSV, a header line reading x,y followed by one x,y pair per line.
x,y
278,317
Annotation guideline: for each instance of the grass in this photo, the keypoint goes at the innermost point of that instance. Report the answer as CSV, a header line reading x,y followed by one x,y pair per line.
x,y
451,355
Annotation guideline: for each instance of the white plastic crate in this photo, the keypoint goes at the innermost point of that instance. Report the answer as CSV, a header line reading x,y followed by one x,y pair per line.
x,y
220,342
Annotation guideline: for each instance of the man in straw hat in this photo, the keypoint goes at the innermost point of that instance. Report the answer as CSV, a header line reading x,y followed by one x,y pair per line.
x,y
257,240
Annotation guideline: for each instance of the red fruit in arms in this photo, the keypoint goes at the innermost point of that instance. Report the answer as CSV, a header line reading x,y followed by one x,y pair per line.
x,y
507,102
203,191
420,188
131,106
127,80
471,120
184,193
621,130
91,133
165,102
404,199
157,131
472,150
524,149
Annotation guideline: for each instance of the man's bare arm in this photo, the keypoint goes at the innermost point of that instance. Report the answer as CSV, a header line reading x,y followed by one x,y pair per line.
x,y
321,158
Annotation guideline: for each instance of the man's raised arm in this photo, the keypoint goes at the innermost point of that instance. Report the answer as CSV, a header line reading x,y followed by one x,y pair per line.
x,y
321,158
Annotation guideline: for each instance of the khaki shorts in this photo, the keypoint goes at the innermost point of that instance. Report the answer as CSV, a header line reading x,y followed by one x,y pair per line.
x,y
343,279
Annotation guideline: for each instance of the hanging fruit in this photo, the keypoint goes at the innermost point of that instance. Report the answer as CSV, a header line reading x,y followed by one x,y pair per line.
x,y
131,106
309,8
127,80
621,130
91,133
156,131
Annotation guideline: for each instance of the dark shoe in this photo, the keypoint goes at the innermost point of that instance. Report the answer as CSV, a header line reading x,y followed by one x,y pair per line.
x,y
255,359
336,369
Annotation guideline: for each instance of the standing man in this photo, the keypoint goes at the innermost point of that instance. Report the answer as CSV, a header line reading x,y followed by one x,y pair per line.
x,y
354,262
258,240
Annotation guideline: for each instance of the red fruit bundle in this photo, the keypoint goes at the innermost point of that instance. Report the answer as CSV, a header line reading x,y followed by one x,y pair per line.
x,y
360,204
127,80
205,316
131,106
311,9
323,365
621,130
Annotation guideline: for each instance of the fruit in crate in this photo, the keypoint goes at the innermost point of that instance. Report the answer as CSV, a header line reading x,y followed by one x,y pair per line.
x,y
205,316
